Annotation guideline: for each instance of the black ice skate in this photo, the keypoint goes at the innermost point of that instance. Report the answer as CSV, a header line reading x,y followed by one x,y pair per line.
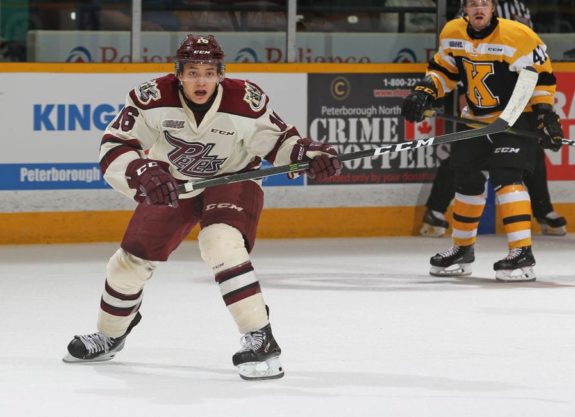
x,y
97,347
434,224
517,266
259,356
454,262
553,224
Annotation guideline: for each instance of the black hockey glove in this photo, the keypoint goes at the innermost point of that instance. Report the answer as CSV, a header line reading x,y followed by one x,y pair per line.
x,y
421,98
549,127
153,182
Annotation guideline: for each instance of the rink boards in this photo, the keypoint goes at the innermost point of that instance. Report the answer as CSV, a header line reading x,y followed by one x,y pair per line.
x,y
53,117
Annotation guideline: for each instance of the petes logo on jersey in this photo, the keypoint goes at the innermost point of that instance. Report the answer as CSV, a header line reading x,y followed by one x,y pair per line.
x,y
193,159
254,97
147,92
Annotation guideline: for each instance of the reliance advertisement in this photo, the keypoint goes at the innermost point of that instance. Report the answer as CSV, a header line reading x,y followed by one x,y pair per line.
x,y
334,47
114,47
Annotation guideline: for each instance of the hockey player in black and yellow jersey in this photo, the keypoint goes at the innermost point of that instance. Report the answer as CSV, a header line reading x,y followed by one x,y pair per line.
x,y
486,53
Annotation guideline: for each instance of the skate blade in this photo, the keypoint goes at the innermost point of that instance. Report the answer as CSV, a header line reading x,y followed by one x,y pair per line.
x,y
432,231
253,371
457,270
524,274
72,359
553,231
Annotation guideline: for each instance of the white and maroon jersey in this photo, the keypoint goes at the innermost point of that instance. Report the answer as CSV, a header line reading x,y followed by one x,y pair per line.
x,y
236,133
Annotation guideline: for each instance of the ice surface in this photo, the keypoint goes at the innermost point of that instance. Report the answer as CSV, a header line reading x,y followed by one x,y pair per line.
x,y
364,329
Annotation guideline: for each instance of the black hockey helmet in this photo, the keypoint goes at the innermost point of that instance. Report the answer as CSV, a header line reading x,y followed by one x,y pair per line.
x,y
200,49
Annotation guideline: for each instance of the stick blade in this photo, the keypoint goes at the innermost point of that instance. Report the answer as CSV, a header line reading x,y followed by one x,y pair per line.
x,y
522,93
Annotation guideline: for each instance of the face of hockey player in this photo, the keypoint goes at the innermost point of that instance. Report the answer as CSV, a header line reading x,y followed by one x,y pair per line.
x,y
199,81
480,13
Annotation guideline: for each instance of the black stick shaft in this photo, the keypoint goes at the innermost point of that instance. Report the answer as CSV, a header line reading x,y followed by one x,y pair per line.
x,y
498,126
470,122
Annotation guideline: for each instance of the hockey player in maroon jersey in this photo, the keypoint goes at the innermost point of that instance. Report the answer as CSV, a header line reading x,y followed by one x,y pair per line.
x,y
194,125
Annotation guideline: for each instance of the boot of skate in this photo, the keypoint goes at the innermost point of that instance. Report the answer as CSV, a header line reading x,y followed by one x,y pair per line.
x,y
517,266
258,357
97,347
434,224
454,262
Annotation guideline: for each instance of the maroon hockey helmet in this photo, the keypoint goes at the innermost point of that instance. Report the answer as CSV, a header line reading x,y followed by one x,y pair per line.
x,y
200,49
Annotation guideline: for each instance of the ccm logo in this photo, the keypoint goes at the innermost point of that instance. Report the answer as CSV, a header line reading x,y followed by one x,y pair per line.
x,y
144,168
506,150
222,132
223,205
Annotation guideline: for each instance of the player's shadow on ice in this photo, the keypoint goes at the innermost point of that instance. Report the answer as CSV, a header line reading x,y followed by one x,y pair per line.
x,y
394,281
169,384
485,282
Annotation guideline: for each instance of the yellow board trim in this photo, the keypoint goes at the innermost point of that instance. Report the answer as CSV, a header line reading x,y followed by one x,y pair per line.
x,y
99,68
109,226
311,68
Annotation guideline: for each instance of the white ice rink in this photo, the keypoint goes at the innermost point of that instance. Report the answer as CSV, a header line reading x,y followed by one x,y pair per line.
x,y
364,330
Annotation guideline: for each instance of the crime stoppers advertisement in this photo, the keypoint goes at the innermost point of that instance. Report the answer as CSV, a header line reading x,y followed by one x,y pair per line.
x,y
356,112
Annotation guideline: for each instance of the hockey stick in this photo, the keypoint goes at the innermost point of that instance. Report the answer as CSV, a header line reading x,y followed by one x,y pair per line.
x,y
519,99
478,123
497,126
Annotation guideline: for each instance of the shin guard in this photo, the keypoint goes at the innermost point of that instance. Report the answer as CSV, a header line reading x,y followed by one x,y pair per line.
x,y
123,292
515,209
223,249
467,211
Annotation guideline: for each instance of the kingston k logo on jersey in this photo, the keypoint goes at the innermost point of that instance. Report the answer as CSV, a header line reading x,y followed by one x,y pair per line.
x,y
478,91
193,159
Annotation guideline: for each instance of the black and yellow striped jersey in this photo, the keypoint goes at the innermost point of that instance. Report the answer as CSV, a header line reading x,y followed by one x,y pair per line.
x,y
488,68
